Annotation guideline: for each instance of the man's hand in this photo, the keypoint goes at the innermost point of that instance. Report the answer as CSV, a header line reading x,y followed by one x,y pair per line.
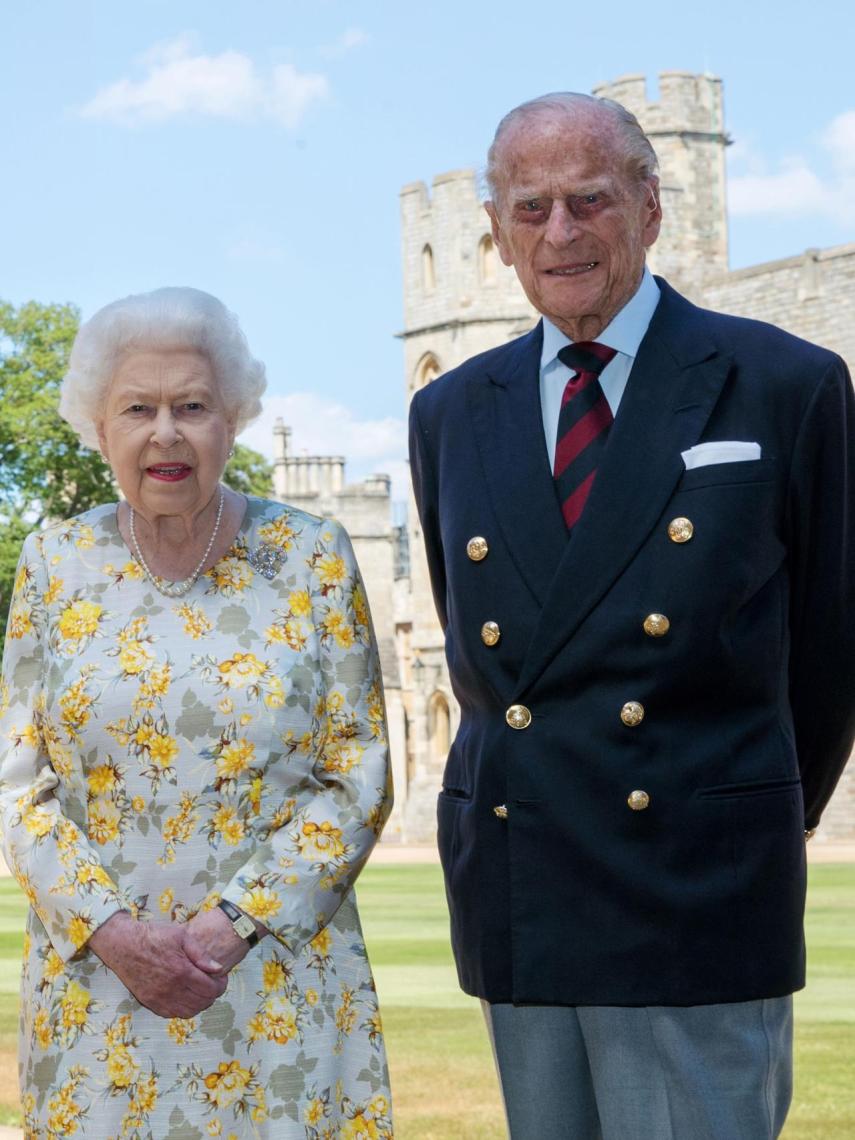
x,y
160,964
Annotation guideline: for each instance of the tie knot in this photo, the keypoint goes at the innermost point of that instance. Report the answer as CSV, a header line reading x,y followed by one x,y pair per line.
x,y
586,356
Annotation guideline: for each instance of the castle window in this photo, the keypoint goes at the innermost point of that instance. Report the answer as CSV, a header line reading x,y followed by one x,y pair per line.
x,y
428,275
440,727
487,261
427,369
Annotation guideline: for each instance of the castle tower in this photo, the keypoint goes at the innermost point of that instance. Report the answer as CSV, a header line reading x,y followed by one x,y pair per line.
x,y
459,299
686,128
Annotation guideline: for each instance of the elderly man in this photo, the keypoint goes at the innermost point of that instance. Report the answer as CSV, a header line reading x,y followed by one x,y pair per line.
x,y
638,521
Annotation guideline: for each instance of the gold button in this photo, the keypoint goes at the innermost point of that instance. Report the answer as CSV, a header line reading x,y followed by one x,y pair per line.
x,y
638,801
518,716
632,713
490,633
656,625
500,811
477,548
680,530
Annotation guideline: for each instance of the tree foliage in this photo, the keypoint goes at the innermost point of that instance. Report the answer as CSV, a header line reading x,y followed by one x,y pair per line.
x,y
45,472
249,472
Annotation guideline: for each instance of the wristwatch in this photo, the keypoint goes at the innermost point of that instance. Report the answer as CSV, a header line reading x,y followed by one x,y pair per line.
x,y
242,924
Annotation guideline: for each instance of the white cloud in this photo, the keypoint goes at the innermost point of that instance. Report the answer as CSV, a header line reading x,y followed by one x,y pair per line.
x,y
179,82
839,140
800,187
346,42
793,191
323,426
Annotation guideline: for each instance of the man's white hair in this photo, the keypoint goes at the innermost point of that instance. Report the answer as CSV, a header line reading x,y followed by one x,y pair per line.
x,y
642,164
175,317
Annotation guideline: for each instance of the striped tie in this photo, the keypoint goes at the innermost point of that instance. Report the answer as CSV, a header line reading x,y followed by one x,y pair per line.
x,y
583,426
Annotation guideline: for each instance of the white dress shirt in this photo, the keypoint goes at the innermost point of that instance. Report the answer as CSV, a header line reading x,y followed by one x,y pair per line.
x,y
624,333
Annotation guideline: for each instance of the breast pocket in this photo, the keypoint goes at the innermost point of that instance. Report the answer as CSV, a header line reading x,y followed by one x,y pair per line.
x,y
724,474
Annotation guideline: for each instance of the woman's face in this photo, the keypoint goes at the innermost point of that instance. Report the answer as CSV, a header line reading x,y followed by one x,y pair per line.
x,y
165,431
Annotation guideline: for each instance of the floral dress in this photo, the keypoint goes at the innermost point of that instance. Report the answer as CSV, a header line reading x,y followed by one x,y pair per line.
x,y
159,754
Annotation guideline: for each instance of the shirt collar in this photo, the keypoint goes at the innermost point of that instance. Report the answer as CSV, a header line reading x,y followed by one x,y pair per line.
x,y
624,332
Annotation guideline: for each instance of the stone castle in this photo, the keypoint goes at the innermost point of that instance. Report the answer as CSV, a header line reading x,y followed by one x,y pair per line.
x,y
460,300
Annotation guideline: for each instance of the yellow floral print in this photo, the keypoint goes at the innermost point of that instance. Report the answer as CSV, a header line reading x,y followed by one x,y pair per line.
x,y
80,620
76,705
163,749
261,903
85,538
181,1029
64,1111
229,742
227,1084
336,625
281,532
321,841
195,623
130,571
331,570
20,621
241,669
42,1029
235,758
75,1007
232,575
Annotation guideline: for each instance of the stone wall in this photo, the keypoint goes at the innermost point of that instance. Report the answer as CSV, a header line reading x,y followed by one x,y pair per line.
x,y
811,295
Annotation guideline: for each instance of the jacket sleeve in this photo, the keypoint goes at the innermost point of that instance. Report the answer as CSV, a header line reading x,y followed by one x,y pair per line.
x,y
44,841
822,614
332,784
426,491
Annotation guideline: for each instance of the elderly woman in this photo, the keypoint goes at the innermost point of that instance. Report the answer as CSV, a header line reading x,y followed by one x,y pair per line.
x,y
194,770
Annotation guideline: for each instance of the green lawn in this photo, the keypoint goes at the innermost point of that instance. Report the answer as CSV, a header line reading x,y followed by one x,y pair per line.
x,y
442,1072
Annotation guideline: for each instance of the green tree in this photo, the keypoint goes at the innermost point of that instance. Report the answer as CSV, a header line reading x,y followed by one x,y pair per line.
x,y
45,472
249,472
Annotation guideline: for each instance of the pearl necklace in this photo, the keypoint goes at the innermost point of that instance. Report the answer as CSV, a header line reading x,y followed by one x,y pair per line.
x,y
175,589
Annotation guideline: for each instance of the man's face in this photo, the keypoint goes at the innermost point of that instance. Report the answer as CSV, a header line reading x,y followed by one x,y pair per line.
x,y
570,219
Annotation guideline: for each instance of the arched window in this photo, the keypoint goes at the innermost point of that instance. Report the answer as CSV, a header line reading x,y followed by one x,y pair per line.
x,y
487,260
440,726
427,369
428,275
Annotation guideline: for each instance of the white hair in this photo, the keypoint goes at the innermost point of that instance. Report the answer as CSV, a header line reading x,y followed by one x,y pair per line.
x,y
642,164
168,318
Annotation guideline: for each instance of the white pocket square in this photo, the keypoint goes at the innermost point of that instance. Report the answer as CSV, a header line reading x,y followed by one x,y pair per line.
x,y
720,451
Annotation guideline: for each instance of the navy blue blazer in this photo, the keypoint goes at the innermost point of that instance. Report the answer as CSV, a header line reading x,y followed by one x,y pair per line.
x,y
569,896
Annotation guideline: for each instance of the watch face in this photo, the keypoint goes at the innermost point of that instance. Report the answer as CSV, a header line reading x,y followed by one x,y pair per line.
x,y
244,926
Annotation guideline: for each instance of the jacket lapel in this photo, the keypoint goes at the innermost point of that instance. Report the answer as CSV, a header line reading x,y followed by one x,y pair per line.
x,y
674,384
504,403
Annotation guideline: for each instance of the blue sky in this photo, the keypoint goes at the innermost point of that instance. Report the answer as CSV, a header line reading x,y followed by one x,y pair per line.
x,y
256,150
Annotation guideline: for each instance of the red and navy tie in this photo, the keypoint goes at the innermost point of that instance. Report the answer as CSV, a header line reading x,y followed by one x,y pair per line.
x,y
583,426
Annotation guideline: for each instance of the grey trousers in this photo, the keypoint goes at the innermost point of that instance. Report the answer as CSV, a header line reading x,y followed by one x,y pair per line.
x,y
707,1072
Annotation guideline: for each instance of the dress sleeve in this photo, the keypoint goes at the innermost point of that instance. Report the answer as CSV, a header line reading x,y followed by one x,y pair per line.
x,y
46,850
330,819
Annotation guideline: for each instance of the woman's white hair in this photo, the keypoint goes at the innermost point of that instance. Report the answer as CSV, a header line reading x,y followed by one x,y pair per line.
x,y
168,318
